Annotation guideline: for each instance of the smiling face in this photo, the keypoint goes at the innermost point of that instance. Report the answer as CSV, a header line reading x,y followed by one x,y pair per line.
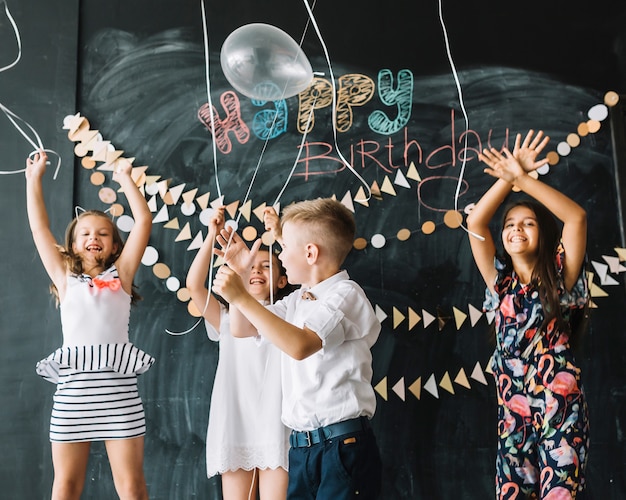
x,y
94,240
259,285
520,231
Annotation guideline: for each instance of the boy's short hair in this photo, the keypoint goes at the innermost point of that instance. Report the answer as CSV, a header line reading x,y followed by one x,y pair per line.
x,y
329,223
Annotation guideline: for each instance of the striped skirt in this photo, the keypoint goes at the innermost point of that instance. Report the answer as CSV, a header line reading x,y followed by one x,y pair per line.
x,y
95,406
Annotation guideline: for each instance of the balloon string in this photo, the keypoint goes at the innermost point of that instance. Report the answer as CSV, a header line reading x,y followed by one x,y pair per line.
x,y
13,117
208,298
208,91
334,111
295,163
461,103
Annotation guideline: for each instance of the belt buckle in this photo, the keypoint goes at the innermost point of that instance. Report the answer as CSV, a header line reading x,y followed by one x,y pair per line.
x,y
307,435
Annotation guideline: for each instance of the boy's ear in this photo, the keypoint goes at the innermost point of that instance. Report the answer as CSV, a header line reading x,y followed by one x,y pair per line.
x,y
312,252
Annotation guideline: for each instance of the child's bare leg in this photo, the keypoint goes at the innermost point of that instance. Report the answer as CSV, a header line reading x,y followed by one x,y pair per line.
x,y
239,485
70,466
273,484
126,459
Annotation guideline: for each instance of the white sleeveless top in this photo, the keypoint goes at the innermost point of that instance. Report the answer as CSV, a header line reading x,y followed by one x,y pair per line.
x,y
95,310
95,315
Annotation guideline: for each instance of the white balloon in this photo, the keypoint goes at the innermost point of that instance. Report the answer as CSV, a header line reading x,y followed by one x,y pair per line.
x,y
265,63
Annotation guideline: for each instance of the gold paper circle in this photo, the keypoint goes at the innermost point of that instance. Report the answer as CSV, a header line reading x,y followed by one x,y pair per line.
x,y
161,270
428,227
404,234
611,98
249,233
573,140
116,210
183,294
107,195
553,158
360,243
452,219
97,178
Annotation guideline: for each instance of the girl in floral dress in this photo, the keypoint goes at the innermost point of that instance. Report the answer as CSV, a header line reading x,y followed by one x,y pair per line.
x,y
538,290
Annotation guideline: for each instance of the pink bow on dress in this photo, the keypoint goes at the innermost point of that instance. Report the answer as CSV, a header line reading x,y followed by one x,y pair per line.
x,y
112,284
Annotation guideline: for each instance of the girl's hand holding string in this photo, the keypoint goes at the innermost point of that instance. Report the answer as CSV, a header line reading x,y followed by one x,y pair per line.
x,y
272,223
36,166
122,168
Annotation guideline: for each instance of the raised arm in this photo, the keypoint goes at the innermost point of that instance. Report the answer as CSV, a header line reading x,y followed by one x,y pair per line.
x,y
45,241
572,215
199,270
137,241
247,316
524,157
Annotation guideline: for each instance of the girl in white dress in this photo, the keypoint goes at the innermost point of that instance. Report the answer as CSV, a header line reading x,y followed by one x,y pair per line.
x,y
246,441
96,368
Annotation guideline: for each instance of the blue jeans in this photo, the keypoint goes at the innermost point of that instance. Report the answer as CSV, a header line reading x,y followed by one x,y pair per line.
x,y
345,467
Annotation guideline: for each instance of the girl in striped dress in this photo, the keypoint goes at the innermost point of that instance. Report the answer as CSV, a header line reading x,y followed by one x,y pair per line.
x,y
96,368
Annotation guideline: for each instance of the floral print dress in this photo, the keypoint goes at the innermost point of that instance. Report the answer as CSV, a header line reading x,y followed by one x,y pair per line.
x,y
543,428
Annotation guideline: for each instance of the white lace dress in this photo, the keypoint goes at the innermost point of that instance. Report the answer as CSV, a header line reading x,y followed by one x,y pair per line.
x,y
245,430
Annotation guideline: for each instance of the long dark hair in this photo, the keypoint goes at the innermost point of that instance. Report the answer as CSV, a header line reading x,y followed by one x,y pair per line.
x,y
545,276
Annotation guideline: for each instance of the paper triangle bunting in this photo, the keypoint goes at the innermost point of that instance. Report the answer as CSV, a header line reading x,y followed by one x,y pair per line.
x,y
231,208
475,314
459,317
461,379
398,388
173,224
416,388
162,216
258,211
375,190
400,180
446,383
347,201
203,201
387,187
189,196
412,173
196,243
185,233
431,386
361,198
414,318
428,318
175,193
398,317
380,314
478,375
381,388
246,209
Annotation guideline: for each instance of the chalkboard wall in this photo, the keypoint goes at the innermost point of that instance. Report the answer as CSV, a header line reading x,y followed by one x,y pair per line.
x,y
136,70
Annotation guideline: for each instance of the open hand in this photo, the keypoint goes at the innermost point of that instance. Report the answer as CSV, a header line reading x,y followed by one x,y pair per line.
x,y
235,252
526,153
505,167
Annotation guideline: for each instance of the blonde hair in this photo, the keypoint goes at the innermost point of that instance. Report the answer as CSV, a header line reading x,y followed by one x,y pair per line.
x,y
329,224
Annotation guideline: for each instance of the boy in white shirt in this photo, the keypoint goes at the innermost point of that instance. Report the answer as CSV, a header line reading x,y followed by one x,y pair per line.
x,y
325,330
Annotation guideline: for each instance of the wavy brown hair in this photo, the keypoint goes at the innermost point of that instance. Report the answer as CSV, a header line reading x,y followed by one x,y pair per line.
x,y
74,262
